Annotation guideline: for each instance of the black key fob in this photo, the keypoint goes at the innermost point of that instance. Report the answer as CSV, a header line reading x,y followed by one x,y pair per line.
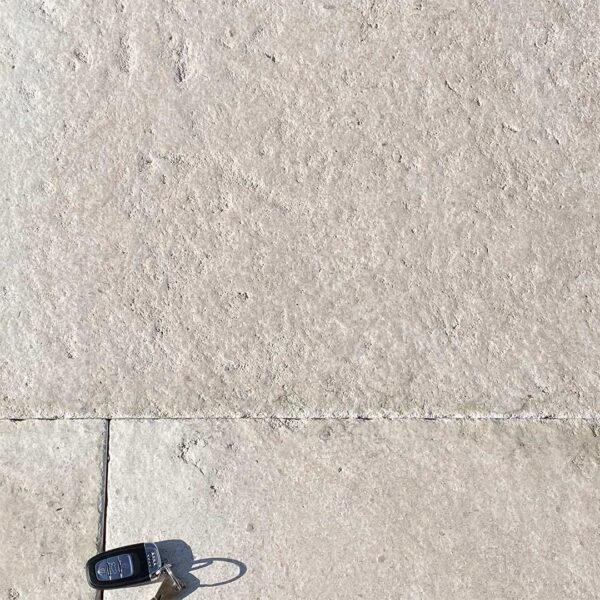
x,y
124,567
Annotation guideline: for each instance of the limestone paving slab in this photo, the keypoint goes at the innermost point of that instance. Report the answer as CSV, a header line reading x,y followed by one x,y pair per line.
x,y
319,208
50,500
338,509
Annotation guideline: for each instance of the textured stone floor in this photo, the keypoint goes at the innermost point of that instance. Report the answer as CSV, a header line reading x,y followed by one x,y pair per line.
x,y
333,508
338,509
328,273
51,503
299,208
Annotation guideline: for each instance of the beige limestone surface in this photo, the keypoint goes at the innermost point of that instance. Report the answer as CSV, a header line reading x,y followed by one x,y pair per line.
x,y
320,208
50,507
334,509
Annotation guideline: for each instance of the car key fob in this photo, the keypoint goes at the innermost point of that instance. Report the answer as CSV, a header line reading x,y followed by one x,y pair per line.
x,y
123,567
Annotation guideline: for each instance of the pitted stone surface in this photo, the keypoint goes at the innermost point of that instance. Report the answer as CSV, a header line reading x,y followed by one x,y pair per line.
x,y
50,498
338,509
299,208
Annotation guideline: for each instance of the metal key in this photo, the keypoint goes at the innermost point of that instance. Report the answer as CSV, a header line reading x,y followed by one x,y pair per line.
x,y
171,587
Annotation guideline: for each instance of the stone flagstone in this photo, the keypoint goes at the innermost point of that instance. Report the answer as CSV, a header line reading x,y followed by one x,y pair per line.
x,y
447,510
320,208
50,500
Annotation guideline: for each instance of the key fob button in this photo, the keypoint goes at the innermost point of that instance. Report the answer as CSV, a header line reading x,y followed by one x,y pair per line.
x,y
117,567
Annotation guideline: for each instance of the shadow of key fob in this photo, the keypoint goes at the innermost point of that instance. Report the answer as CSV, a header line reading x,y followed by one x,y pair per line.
x,y
123,567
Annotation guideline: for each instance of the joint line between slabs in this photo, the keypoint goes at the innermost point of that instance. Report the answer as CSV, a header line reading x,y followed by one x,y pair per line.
x,y
101,546
407,418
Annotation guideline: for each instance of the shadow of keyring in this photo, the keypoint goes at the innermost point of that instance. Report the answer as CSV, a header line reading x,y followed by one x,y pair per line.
x,y
202,563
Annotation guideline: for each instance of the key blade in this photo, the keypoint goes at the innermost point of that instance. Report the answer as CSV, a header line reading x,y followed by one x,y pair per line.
x,y
171,587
